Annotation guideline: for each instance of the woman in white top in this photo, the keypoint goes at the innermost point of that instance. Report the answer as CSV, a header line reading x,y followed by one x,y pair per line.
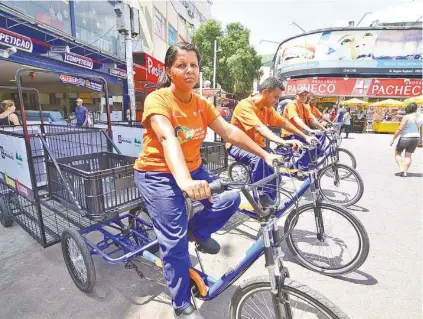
x,y
347,121
410,137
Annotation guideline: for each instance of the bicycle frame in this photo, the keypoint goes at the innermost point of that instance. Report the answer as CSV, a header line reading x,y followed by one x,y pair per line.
x,y
216,286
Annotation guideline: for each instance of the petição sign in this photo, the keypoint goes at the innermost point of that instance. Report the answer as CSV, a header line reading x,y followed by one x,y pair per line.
x,y
12,39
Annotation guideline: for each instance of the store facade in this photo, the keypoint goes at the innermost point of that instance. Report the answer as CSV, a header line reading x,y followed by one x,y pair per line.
x,y
371,64
64,37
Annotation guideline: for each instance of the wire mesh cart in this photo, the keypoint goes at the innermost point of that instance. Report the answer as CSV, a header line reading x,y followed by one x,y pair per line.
x,y
73,185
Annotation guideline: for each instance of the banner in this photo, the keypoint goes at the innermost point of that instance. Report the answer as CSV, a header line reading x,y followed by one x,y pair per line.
x,y
352,51
14,168
12,39
401,88
89,84
120,73
129,140
78,60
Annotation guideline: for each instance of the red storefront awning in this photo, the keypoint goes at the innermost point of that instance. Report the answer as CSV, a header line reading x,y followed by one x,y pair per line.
x,y
374,87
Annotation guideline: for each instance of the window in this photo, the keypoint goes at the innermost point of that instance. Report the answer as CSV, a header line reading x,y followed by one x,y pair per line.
x,y
53,13
95,23
171,35
159,24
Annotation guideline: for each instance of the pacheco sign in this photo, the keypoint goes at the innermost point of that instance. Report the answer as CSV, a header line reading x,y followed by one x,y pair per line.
x,y
375,87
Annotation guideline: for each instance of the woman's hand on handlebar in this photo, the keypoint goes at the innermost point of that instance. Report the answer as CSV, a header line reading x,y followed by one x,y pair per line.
x,y
271,158
196,190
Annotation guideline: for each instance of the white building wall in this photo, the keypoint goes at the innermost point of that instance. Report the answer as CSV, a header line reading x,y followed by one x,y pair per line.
x,y
183,15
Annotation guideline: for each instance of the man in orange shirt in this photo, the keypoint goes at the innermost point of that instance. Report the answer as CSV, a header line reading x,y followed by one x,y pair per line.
x,y
252,115
299,114
315,111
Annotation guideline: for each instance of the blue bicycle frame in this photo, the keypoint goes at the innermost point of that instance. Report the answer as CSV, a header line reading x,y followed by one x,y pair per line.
x,y
128,249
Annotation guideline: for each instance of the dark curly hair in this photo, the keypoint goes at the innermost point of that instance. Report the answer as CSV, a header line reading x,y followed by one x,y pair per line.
x,y
164,80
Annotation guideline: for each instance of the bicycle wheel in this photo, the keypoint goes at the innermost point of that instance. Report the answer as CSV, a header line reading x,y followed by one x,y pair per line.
x,y
253,300
340,184
343,248
239,173
345,157
78,259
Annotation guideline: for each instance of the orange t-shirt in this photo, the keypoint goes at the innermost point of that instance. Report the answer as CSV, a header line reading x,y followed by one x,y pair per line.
x,y
315,111
190,122
247,115
292,110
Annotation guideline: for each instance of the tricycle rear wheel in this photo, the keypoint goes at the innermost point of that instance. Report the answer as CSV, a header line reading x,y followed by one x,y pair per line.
x,y
5,217
78,259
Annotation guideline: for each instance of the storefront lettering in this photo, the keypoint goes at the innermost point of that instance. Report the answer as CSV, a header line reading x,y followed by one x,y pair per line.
x,y
151,69
18,41
396,90
118,72
78,60
92,85
318,88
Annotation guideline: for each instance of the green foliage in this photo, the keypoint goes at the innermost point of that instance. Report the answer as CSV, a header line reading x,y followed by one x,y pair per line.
x,y
238,64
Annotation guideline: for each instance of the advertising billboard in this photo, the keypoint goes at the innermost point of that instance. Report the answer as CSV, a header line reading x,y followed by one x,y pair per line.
x,y
393,52
372,87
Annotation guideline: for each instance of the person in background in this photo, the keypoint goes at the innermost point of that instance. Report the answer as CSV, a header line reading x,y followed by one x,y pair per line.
x,y
409,140
170,168
253,115
81,114
8,116
339,119
347,121
332,113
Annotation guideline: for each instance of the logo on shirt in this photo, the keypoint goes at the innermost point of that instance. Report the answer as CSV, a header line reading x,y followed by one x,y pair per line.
x,y
183,134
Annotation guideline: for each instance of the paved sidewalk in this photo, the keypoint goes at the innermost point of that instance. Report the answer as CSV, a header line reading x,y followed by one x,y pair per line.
x,y
34,282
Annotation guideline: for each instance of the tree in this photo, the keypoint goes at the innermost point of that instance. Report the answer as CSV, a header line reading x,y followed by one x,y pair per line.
x,y
238,64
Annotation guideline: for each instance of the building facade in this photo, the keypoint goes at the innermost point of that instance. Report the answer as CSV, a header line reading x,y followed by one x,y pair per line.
x,y
66,37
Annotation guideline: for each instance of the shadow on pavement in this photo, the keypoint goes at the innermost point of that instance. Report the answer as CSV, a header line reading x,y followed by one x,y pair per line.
x,y
357,208
414,175
365,278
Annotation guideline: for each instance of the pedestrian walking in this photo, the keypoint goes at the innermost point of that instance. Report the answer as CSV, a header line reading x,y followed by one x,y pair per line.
x,y
410,137
347,122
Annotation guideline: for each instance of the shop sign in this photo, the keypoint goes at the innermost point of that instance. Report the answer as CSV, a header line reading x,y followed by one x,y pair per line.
x,y
150,69
78,60
59,49
356,87
120,73
89,84
12,39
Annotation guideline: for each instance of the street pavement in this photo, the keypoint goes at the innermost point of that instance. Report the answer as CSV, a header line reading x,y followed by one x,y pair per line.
x,y
34,282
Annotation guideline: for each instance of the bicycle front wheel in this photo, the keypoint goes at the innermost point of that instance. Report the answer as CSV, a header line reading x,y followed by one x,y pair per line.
x,y
254,300
340,184
343,246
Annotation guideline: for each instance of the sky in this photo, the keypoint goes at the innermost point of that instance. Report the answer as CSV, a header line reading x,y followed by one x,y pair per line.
x,y
271,20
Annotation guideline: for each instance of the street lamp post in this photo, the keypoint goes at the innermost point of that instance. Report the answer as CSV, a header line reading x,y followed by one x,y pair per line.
x,y
214,63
